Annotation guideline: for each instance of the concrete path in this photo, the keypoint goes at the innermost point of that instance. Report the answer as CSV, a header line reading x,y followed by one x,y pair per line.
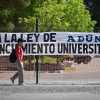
x,y
50,92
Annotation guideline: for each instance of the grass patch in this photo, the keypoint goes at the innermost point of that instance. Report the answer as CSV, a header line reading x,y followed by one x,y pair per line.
x,y
49,60
69,69
46,60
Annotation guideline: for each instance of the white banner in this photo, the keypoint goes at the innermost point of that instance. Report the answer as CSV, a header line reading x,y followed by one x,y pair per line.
x,y
52,43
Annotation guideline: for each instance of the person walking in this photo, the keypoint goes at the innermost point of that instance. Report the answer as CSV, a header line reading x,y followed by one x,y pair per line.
x,y
19,62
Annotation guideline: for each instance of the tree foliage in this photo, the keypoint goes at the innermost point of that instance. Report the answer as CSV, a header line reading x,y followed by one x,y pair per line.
x,y
53,15
96,11
14,3
70,15
94,8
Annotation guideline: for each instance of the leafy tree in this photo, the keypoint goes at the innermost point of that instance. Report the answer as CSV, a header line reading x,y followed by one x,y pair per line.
x,y
69,15
6,22
94,8
14,3
53,15
8,13
96,11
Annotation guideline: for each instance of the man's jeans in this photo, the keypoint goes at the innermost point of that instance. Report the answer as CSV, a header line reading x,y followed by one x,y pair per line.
x,y
19,73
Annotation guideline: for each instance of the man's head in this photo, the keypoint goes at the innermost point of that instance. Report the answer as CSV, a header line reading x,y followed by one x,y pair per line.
x,y
20,42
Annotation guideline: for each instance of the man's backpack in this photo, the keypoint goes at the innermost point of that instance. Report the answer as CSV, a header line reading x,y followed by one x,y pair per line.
x,y
12,57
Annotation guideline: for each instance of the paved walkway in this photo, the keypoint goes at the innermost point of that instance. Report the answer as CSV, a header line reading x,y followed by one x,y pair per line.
x,y
50,92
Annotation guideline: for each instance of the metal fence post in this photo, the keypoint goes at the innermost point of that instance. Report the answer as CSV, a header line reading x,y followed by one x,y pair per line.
x,y
37,57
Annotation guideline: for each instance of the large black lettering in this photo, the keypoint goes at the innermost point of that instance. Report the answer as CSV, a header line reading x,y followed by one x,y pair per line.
x,y
95,49
85,48
29,37
34,48
65,48
98,45
74,48
49,37
6,38
22,37
52,37
60,46
46,47
91,50
80,38
71,39
46,37
13,38
89,38
7,48
27,48
52,48
39,48
0,37
69,48
79,48
97,39
37,37
2,48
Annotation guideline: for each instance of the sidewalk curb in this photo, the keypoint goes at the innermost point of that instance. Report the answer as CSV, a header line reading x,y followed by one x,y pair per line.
x,y
69,82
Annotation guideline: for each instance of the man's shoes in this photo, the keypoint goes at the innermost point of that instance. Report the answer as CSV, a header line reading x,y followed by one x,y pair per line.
x,y
12,80
20,83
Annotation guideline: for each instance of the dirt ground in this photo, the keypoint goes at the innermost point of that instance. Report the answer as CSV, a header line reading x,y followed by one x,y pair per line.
x,y
90,71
